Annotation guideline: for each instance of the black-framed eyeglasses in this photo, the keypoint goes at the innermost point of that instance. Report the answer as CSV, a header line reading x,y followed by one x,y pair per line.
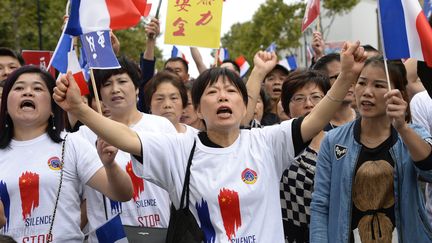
x,y
301,99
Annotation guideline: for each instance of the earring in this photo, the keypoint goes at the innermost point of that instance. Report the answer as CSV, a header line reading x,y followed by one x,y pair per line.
x,y
6,125
53,124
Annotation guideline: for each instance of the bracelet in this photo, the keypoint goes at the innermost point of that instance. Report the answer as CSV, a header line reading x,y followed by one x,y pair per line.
x,y
333,99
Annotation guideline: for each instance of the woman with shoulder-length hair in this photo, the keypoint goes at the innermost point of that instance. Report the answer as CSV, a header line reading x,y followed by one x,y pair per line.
x,y
235,173
366,178
43,168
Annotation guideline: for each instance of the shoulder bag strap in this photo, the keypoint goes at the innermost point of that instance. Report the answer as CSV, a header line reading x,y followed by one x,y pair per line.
x,y
58,191
186,181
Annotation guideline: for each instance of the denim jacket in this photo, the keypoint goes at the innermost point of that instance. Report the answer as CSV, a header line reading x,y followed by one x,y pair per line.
x,y
332,201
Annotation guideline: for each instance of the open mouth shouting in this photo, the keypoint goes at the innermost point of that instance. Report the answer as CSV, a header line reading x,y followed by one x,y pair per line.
x,y
224,112
27,105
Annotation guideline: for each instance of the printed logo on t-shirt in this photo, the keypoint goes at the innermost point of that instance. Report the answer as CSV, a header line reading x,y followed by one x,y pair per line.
x,y
205,220
54,163
340,151
138,183
249,176
29,192
5,199
229,204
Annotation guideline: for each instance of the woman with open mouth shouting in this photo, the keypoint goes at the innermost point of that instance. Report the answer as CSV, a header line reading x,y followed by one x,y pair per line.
x,y
235,174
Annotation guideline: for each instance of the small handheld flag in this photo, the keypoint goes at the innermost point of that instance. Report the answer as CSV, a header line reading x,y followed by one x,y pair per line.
x,y
177,53
272,47
112,231
405,30
311,13
98,50
243,64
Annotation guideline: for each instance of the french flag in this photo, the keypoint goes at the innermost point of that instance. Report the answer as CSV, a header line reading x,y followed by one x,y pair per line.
x,y
223,54
405,30
93,15
289,62
59,59
177,53
77,72
243,64
112,231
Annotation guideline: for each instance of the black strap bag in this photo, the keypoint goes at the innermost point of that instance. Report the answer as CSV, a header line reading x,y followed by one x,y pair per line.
x,y
183,228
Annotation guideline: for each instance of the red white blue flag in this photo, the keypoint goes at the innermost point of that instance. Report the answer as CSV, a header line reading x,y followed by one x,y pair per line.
x,y
223,54
405,30
93,15
289,62
311,13
175,52
243,64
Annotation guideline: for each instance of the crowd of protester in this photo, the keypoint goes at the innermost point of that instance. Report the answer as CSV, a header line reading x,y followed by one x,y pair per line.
x,y
336,152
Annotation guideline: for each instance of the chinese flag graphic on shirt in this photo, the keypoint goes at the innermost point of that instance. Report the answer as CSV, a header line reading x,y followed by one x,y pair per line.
x,y
29,191
138,183
229,205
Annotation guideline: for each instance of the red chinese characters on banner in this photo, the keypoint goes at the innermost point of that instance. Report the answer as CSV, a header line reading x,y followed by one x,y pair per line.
x,y
205,2
205,18
179,23
182,4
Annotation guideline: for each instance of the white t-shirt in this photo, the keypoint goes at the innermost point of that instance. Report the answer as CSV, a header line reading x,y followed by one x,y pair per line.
x,y
421,110
234,191
150,205
29,181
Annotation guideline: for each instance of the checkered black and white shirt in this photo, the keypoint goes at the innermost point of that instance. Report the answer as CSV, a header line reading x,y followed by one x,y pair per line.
x,y
296,188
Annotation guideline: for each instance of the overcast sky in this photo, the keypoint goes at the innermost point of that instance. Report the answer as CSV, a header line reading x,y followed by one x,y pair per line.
x,y
234,11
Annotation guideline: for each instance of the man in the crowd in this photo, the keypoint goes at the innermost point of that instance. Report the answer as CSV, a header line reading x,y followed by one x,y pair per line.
x,y
330,65
272,85
179,66
9,61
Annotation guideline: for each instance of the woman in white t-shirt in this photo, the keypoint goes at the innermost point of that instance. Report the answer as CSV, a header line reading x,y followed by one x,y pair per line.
x,y
150,204
234,182
167,97
42,170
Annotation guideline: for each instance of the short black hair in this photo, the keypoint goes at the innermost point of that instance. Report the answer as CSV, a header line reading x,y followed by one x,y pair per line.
x,y
297,80
236,66
369,48
321,64
211,76
126,66
178,59
4,51
58,120
165,77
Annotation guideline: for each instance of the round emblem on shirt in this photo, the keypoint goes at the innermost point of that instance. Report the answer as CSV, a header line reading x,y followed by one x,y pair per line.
x,y
249,176
54,163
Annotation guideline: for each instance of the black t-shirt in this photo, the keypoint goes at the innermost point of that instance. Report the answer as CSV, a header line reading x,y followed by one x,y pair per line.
x,y
373,179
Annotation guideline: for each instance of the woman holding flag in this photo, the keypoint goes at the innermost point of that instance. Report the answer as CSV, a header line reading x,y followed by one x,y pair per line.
x,y
366,177
43,168
235,174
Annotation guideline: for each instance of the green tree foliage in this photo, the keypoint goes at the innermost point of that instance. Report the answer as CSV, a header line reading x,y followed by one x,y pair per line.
x,y
339,6
273,21
277,22
19,27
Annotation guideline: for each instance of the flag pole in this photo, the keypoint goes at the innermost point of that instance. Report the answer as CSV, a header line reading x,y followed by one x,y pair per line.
x,y
383,47
216,57
96,95
158,8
